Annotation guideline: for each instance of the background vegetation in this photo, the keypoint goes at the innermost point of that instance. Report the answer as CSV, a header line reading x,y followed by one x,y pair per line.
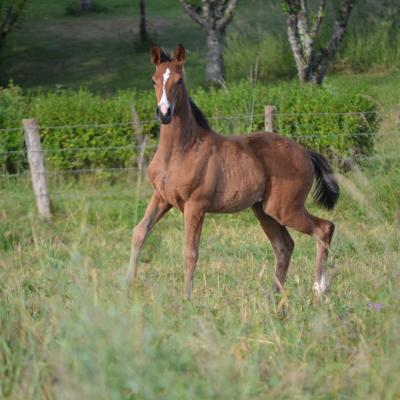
x,y
101,50
89,121
68,327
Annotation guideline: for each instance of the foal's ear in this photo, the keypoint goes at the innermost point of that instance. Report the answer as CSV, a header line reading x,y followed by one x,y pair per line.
x,y
158,55
155,54
179,57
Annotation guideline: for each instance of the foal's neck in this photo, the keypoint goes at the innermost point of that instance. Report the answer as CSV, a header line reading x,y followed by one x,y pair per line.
x,y
181,133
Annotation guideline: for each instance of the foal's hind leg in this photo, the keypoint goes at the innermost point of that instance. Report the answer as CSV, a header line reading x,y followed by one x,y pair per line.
x,y
194,218
156,208
322,230
281,241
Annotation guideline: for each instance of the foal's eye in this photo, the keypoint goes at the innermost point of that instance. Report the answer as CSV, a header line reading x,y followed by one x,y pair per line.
x,y
153,82
180,81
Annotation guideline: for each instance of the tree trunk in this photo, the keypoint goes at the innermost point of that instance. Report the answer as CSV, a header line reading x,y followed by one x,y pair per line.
x,y
213,16
9,20
303,70
85,5
143,25
312,63
215,46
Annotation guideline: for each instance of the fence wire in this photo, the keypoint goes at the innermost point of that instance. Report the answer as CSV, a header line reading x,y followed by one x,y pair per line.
x,y
80,171
95,125
133,147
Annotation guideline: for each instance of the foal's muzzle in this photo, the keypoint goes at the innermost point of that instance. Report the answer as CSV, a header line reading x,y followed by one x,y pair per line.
x,y
164,118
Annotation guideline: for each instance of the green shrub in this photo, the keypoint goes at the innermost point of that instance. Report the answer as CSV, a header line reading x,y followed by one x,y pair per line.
x,y
83,115
314,116
12,110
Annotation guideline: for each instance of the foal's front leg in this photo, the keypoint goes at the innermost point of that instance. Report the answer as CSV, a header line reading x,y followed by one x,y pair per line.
x,y
156,208
194,217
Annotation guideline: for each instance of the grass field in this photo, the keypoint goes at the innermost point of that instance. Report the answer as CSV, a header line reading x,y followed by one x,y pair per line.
x,y
101,51
70,330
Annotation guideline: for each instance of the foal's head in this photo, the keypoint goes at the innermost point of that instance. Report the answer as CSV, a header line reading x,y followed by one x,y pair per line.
x,y
167,80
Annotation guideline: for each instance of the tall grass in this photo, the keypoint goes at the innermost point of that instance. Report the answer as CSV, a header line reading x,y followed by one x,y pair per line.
x,y
69,328
258,51
371,49
265,57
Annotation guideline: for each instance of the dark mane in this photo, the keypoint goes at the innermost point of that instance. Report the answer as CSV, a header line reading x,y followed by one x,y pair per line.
x,y
199,116
165,56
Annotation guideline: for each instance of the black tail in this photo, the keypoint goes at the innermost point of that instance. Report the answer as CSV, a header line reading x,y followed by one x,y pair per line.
x,y
326,192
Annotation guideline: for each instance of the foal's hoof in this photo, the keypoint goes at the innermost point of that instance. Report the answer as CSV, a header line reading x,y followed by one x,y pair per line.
x,y
317,289
187,294
130,278
320,288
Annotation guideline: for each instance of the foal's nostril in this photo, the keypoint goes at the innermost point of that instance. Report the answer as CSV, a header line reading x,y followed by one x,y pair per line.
x,y
164,115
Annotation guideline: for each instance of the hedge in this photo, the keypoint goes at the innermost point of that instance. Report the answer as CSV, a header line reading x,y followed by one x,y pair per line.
x,y
316,117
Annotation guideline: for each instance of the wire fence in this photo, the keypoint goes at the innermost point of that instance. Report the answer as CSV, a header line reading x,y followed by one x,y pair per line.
x,y
136,148
212,118
133,147
80,171
138,185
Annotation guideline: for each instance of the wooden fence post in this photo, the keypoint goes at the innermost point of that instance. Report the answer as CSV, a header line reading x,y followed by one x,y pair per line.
x,y
269,118
36,165
140,138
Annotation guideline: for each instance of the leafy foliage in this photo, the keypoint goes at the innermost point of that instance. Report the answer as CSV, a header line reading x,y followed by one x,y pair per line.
x,y
316,117
12,111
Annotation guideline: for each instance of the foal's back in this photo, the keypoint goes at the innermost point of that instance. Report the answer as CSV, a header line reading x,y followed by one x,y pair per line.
x,y
248,169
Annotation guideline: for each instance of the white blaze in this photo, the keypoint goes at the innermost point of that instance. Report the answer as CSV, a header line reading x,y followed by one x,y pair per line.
x,y
164,103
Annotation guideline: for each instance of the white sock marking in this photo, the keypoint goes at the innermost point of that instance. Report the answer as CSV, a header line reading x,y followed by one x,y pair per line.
x,y
316,289
164,103
321,286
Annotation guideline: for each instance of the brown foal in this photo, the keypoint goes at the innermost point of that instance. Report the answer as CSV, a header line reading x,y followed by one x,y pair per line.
x,y
197,171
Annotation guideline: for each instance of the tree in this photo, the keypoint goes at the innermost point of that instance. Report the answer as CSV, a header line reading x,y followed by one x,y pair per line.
x,y
303,27
213,16
143,26
85,5
10,11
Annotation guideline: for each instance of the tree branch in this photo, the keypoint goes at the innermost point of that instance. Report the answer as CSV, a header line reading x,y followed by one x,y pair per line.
x,y
194,14
293,35
319,18
205,7
228,14
7,22
11,17
304,13
340,28
327,54
302,23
